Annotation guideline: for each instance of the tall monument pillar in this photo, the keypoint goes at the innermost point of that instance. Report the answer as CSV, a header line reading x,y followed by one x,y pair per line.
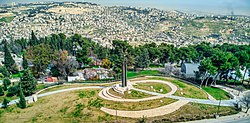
x,y
124,74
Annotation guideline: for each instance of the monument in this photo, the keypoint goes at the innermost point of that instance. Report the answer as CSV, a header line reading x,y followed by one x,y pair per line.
x,y
124,74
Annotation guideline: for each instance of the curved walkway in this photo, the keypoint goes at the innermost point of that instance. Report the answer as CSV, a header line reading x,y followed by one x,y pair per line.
x,y
147,113
202,101
104,93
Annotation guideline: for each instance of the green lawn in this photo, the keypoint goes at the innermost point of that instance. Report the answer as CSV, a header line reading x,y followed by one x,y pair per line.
x,y
84,106
217,93
156,66
7,19
132,74
185,90
135,106
132,95
156,87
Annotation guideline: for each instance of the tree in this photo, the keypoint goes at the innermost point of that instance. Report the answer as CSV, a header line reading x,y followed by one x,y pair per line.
x,y
33,39
25,62
82,56
6,83
246,101
207,69
106,63
8,60
5,103
41,56
142,60
4,71
28,83
13,90
22,101
1,91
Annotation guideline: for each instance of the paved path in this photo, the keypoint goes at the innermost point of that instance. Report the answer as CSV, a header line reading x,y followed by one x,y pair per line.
x,y
147,113
106,95
202,101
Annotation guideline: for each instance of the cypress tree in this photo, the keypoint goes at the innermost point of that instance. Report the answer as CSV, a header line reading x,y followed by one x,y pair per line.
x,y
25,62
8,60
33,40
22,101
1,91
28,83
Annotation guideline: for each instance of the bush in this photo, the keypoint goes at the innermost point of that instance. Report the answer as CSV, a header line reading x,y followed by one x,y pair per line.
x,y
6,83
1,91
86,94
78,109
13,90
5,103
95,103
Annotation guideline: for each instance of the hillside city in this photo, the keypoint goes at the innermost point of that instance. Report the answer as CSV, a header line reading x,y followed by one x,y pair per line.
x,y
104,24
78,62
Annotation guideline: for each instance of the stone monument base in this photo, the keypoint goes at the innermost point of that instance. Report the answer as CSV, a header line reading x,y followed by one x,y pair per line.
x,y
119,89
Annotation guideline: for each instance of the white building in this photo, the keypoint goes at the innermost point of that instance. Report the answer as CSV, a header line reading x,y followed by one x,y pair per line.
x,y
189,69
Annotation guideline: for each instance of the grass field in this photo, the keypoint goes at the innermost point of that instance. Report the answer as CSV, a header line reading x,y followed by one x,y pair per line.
x,y
188,90
194,111
156,87
134,106
7,19
132,95
132,74
217,93
84,106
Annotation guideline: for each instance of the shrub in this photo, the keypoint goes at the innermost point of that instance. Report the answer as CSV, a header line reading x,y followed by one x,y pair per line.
x,y
13,90
1,91
95,103
78,109
86,94
6,83
5,103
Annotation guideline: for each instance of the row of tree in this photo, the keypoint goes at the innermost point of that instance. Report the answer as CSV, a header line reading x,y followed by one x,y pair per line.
x,y
215,60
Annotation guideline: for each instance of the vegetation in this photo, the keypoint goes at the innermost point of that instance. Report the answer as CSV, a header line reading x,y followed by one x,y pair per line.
x,y
157,87
131,94
135,106
8,60
72,108
185,90
28,83
217,93
22,101
132,74
5,103
6,83
194,111
7,19
1,91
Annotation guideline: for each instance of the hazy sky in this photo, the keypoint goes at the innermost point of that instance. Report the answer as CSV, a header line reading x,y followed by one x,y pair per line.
x,y
207,6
